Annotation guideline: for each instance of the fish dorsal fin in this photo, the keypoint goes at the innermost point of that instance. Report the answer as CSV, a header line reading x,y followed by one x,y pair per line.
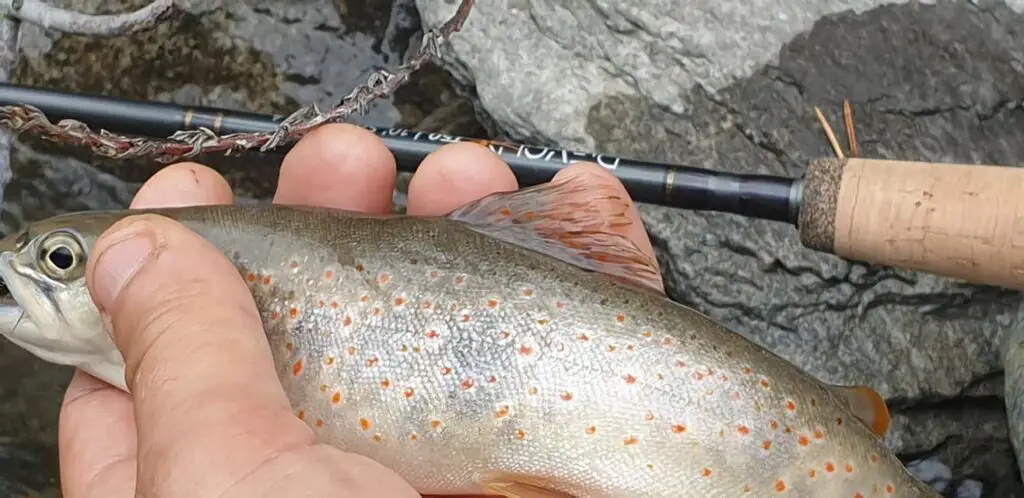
x,y
520,486
867,405
570,219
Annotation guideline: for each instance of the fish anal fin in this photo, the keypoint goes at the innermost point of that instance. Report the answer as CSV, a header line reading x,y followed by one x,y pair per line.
x,y
572,219
867,405
521,486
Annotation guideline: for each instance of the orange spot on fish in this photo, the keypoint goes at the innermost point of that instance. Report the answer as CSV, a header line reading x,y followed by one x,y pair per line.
x,y
560,305
504,334
328,274
591,430
790,405
468,383
492,379
748,370
542,322
767,444
525,350
527,292
409,392
399,301
889,489
630,440
492,303
426,305
621,319
319,423
446,370
706,472
858,495
765,384
839,421
322,303
413,437
267,280
743,430
849,468
875,457
434,274
336,398
629,347
680,364
466,318
679,428
290,347
294,264
436,424
502,411
830,467
520,434
648,416
668,341
385,384
294,313
813,474
297,368
275,315
629,379
698,376
359,267
364,298
347,321
532,391
747,488
335,305
611,348
377,437
566,396
648,334
780,486
352,351
251,277
383,278
818,434
372,362
506,212
301,415
365,424
460,279
431,334
803,440
376,311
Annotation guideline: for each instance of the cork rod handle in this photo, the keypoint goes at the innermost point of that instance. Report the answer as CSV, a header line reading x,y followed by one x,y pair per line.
x,y
954,220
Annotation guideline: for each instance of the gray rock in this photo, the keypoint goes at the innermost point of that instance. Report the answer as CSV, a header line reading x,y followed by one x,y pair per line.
x,y
729,85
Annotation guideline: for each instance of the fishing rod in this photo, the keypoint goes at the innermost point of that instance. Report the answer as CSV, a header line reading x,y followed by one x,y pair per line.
x,y
954,220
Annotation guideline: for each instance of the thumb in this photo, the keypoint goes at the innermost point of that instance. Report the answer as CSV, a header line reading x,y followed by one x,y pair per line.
x,y
198,365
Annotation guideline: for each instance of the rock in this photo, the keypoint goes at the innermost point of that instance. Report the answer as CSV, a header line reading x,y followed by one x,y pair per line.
x,y
728,85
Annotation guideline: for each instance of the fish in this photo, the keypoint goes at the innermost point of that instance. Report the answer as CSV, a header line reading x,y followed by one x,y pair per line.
x,y
519,346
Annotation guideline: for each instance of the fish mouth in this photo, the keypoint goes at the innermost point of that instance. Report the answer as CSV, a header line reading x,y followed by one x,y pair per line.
x,y
11,313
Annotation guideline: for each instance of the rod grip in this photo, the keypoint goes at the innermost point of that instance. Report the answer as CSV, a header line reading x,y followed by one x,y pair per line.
x,y
954,220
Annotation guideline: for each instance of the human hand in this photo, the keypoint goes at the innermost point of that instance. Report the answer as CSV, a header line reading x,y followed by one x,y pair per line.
x,y
208,416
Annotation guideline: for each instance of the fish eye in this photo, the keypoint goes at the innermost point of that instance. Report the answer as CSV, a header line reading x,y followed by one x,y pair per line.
x,y
61,256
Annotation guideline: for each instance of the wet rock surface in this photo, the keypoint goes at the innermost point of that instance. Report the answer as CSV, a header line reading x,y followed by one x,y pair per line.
x,y
261,56
718,86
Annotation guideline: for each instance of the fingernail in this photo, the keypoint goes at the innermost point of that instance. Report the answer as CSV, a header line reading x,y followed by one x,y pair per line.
x,y
120,261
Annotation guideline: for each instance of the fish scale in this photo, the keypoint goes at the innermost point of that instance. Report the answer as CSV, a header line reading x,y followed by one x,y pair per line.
x,y
516,347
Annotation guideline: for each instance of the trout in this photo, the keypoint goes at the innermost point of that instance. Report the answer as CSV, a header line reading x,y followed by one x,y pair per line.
x,y
519,346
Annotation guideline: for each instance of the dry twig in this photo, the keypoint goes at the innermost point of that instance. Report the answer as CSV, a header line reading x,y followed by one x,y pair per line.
x,y
50,17
186,144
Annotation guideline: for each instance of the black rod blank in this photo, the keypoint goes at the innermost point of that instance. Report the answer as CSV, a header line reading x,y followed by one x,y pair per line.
x,y
758,196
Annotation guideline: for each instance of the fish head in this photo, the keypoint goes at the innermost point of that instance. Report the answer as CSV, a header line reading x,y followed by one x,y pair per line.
x,y
46,307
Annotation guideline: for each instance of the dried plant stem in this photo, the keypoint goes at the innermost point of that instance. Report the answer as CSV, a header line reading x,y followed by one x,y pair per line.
x,y
186,144
50,17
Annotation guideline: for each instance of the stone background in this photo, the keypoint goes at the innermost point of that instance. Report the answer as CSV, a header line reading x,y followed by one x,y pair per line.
x,y
715,84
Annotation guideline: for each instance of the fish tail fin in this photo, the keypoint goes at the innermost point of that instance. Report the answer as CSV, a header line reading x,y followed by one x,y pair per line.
x,y
574,220
867,405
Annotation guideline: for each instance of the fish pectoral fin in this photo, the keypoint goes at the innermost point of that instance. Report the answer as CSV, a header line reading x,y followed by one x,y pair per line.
x,y
575,219
867,405
520,486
